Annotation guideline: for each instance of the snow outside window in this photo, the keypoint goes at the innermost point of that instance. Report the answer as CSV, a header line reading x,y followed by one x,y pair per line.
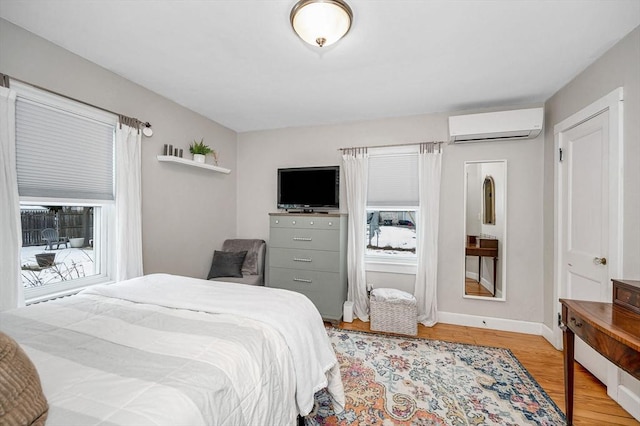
x,y
391,234
63,248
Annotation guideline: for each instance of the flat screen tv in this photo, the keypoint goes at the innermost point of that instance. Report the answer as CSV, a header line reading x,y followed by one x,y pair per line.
x,y
309,187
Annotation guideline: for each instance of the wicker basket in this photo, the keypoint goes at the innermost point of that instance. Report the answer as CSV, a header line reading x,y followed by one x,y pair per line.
x,y
393,311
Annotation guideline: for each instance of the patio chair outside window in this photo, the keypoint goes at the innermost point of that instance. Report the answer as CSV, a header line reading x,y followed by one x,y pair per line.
x,y
50,237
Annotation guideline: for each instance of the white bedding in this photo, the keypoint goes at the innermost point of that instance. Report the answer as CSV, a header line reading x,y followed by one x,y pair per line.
x,y
168,350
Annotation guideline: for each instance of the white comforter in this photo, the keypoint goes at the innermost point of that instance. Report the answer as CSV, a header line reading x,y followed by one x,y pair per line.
x,y
168,350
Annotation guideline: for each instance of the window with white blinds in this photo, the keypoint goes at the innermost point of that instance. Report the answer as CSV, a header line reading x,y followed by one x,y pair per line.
x,y
393,181
392,209
63,151
65,165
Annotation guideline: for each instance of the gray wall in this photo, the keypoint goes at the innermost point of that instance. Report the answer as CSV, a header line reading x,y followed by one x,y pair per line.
x,y
261,153
186,212
618,67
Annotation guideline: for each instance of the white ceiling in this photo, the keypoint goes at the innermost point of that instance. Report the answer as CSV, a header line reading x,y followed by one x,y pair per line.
x,y
240,64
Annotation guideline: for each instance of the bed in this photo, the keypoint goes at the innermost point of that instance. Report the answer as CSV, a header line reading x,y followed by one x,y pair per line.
x,y
169,350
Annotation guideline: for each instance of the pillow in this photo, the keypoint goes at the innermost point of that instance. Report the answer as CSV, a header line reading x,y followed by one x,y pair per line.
x,y
21,399
227,264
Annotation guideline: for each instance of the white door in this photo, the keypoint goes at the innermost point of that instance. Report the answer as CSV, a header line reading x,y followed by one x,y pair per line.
x,y
585,222
588,225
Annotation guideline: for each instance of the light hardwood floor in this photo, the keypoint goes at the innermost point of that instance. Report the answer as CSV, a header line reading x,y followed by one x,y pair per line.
x,y
592,406
474,288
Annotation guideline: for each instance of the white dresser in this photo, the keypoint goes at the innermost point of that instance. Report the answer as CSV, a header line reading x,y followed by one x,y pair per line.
x,y
308,253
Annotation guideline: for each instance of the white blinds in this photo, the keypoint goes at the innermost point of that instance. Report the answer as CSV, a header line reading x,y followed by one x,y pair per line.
x,y
61,154
393,181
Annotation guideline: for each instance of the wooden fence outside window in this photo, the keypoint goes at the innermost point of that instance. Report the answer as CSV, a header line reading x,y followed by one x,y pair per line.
x,y
70,223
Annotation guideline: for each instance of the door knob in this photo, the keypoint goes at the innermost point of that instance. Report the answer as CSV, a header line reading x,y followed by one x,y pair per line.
x,y
600,260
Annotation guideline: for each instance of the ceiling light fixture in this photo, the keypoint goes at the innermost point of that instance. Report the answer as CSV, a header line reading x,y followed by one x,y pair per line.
x,y
321,22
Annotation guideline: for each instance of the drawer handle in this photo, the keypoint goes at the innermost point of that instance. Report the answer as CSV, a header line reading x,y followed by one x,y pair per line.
x,y
301,259
302,280
576,322
301,238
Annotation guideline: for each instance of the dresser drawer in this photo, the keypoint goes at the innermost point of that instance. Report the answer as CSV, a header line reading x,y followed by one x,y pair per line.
x,y
311,239
302,222
312,260
303,280
615,351
580,328
324,289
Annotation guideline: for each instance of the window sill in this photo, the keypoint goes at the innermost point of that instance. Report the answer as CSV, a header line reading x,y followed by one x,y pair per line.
x,y
390,267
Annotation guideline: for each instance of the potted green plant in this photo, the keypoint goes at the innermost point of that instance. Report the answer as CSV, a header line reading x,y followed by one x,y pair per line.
x,y
199,151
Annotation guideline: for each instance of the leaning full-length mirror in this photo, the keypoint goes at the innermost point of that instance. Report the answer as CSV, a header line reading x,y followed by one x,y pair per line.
x,y
485,229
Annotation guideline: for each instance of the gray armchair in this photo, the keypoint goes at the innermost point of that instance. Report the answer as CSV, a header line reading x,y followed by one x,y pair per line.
x,y
252,269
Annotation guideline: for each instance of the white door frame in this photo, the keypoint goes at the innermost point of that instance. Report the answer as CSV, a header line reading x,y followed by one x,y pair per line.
x,y
613,102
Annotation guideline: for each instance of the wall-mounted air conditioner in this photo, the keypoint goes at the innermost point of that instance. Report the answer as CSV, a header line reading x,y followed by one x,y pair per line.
x,y
492,126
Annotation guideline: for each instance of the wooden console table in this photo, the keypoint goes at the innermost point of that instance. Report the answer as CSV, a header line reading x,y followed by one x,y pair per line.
x,y
611,329
483,247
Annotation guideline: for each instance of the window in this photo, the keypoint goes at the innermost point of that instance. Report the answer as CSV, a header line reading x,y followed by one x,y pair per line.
x,y
392,208
76,255
65,167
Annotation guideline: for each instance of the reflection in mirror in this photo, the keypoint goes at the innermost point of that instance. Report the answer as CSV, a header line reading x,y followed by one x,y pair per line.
x,y
485,229
489,201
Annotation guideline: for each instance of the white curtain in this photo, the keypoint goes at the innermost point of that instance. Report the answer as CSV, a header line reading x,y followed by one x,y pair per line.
x,y
128,203
429,171
11,291
356,173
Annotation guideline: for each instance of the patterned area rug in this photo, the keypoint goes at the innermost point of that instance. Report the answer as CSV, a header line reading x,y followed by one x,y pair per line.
x,y
392,380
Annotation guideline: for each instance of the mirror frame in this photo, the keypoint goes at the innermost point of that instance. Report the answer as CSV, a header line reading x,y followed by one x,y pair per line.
x,y
502,252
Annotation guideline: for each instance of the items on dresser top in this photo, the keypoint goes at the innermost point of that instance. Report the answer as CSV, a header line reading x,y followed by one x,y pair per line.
x,y
308,254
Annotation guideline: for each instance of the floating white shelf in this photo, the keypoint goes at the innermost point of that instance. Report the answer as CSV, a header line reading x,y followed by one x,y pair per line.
x,y
186,162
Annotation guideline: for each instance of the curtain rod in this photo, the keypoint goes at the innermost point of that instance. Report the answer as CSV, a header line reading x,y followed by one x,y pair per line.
x,y
390,145
7,78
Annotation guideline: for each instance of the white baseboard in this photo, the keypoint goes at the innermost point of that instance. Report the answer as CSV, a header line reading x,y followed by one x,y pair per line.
x,y
491,323
548,334
629,401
